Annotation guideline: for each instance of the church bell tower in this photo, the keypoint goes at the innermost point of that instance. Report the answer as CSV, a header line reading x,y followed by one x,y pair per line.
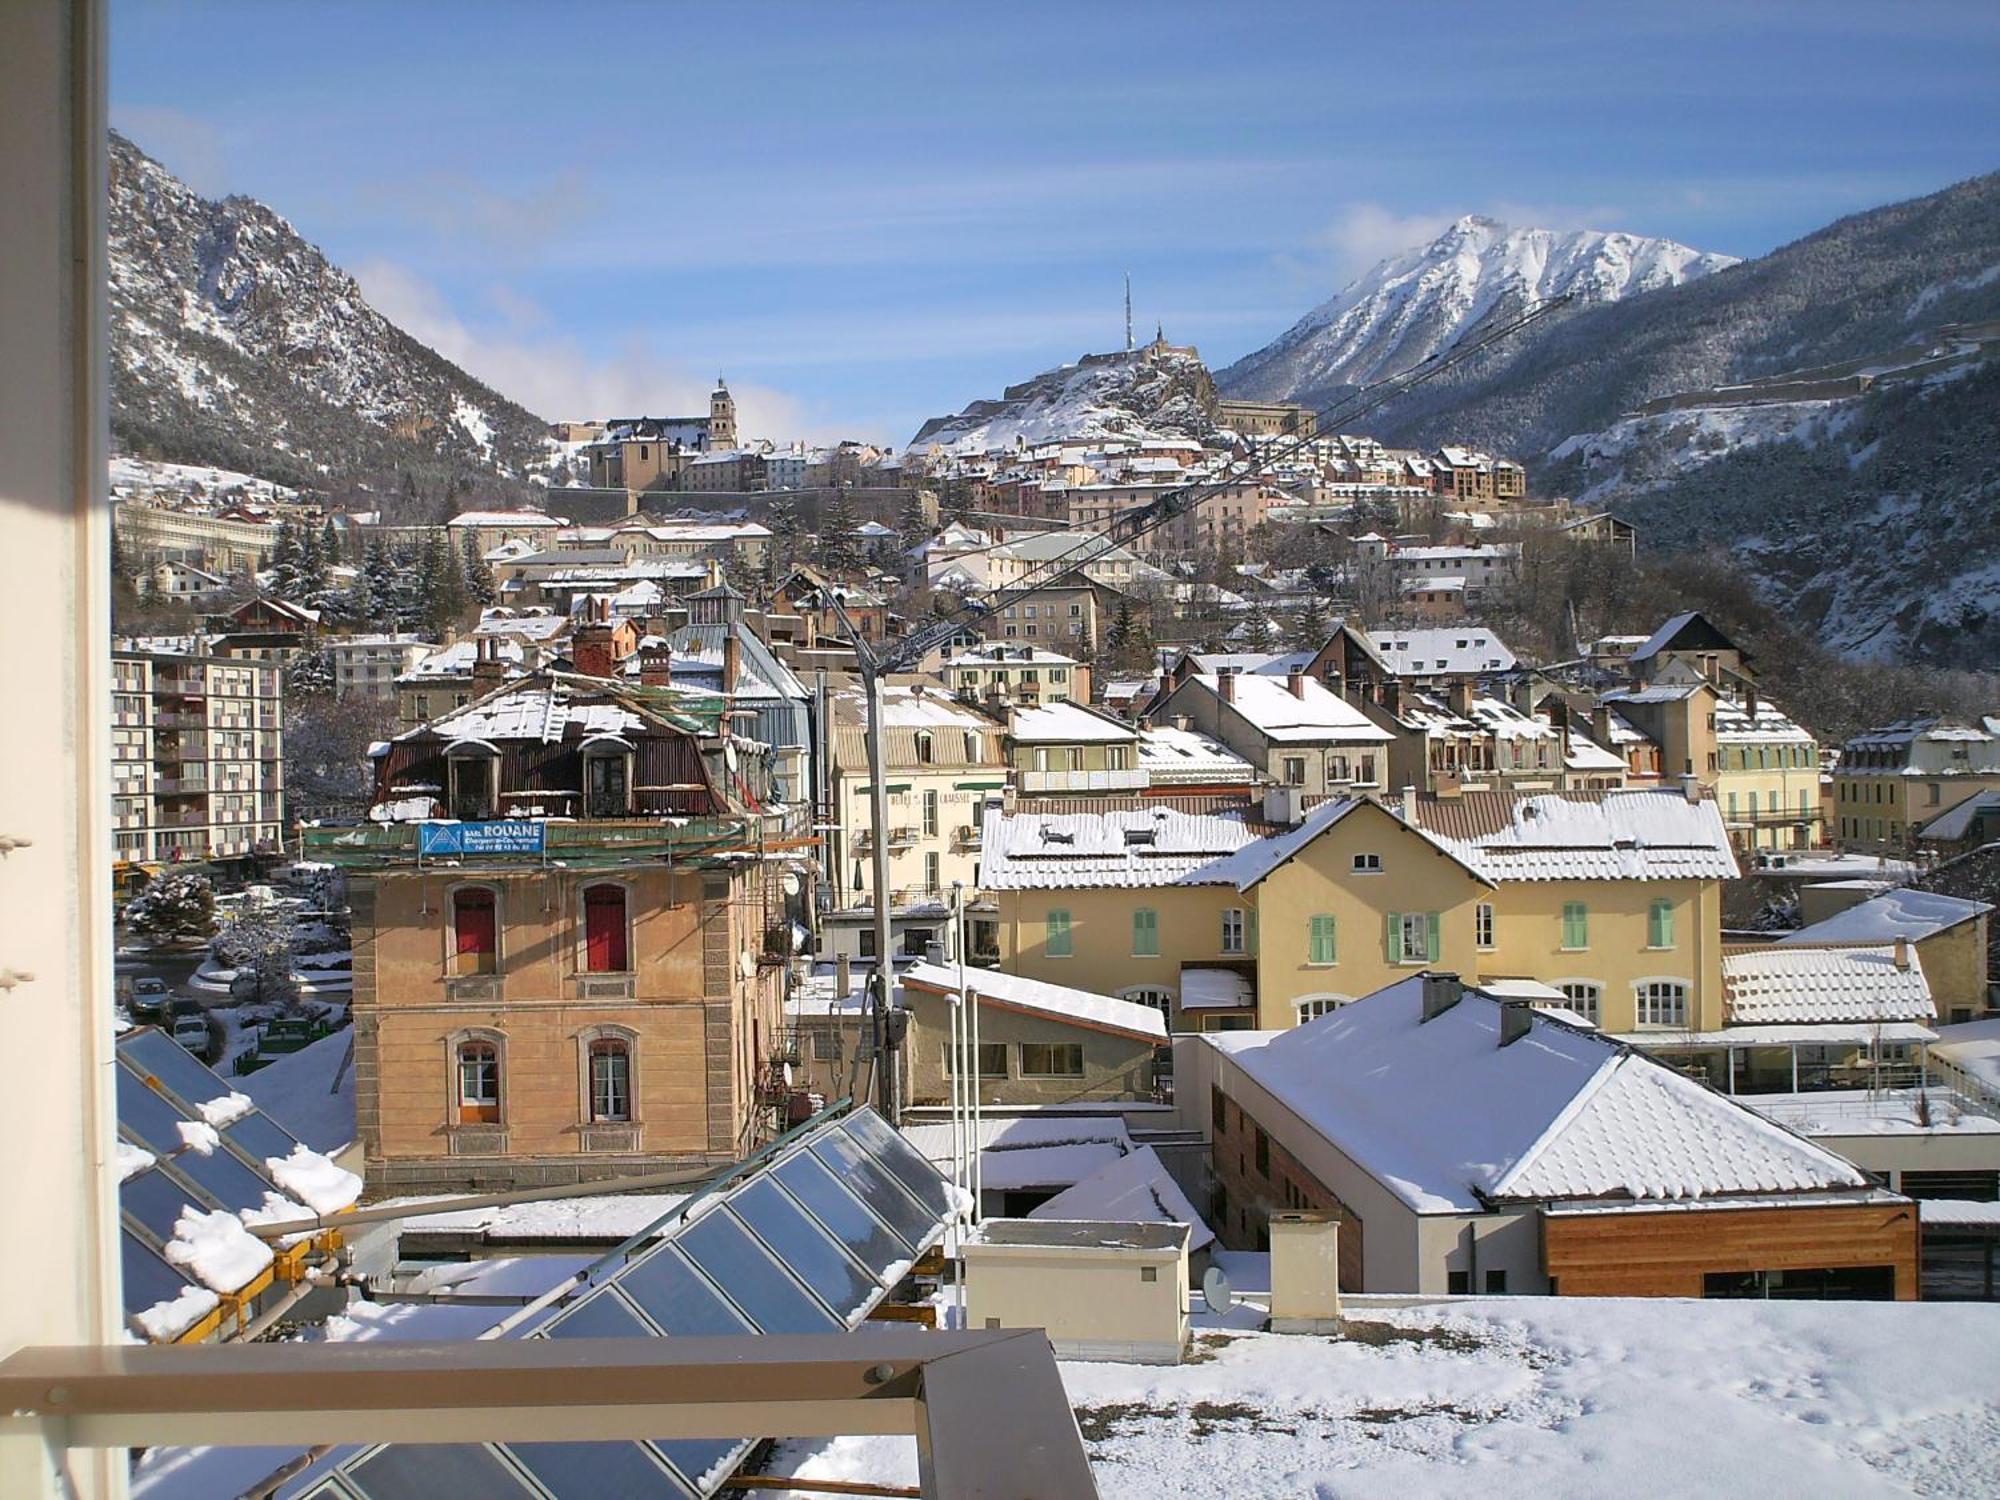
x,y
721,418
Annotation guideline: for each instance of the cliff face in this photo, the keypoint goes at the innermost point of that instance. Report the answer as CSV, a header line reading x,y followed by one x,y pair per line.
x,y
1159,390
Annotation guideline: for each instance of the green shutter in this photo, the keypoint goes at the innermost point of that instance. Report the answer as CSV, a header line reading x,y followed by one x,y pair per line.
x,y
1145,933
1576,925
1431,938
1320,944
1662,935
1391,925
1057,944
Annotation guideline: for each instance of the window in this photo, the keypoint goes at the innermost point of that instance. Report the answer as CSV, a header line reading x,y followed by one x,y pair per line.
x,y
1368,864
1412,937
1074,755
1295,770
473,932
1496,1283
826,1045
1145,933
1576,925
1056,942
478,1083
1583,996
1052,1059
1117,757
610,1079
1336,768
992,1060
1660,925
1482,924
1232,929
1457,1283
1317,1006
924,748
930,814
1263,1154
1662,1002
605,946
1320,944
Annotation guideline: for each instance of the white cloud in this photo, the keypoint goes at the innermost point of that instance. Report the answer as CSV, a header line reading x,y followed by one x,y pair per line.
x,y
552,374
1363,233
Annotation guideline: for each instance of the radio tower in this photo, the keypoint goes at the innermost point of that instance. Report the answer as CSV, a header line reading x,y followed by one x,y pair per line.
x,y
1128,312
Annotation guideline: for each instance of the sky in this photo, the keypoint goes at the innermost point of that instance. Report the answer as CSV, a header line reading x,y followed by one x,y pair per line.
x,y
866,214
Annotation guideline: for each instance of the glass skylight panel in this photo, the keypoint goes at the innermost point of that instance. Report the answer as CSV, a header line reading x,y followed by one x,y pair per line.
x,y
147,1115
882,1193
756,1283
431,1471
801,1244
849,1220
675,1297
148,1277
600,1316
597,1471
705,1461
180,1073
261,1136
156,1201
902,1159
224,1178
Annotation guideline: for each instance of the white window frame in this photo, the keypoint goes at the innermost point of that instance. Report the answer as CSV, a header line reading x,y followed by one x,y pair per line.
x,y
1641,1000
1591,1010
1312,1007
1367,864
1483,927
1233,928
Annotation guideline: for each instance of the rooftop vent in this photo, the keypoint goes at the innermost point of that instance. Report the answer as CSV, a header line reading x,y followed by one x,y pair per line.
x,y
1441,993
1517,1019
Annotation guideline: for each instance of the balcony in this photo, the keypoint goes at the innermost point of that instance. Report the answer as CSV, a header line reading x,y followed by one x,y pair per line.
x,y
967,836
180,786
578,844
1083,781
180,721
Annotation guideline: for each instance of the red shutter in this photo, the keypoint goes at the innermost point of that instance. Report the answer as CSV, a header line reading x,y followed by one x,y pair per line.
x,y
604,930
472,921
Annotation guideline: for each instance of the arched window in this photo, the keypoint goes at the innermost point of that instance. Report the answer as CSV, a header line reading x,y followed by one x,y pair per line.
x,y
478,1064
610,1081
606,949
1312,1007
1161,999
475,945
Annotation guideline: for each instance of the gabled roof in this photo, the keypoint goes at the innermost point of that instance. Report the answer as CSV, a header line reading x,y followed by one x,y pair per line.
x,y
1690,630
1035,996
1902,912
1466,652
1639,833
1135,1189
1786,985
1065,723
1311,716
1956,823
1249,865
1557,1114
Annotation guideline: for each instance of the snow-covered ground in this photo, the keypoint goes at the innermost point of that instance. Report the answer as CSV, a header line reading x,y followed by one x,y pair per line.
x,y
151,476
1540,1398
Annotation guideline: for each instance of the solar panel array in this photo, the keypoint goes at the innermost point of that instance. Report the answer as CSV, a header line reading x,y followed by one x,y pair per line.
x,y
160,1088
810,1244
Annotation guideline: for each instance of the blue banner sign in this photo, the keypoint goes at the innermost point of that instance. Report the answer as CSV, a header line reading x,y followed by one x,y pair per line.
x,y
501,836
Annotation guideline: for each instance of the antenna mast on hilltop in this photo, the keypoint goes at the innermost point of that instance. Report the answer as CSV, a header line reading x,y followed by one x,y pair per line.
x,y
1128,312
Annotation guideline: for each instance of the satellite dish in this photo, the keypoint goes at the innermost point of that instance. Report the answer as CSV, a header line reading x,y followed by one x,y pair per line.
x,y
1216,1291
792,883
787,1074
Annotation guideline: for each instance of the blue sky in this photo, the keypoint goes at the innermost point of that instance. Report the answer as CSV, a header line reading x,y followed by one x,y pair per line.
x,y
868,213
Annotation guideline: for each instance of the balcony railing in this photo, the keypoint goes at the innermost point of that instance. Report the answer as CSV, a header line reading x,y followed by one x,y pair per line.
x,y
1083,781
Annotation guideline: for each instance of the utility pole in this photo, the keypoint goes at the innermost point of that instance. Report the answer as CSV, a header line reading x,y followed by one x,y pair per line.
x,y
1128,312
887,1090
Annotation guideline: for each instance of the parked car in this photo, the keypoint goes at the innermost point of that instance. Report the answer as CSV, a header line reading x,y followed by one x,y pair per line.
x,y
192,1032
149,999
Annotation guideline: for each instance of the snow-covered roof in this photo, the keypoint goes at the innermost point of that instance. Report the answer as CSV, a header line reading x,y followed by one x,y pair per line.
x,y
1973,1047
456,660
1585,754
1135,1189
311,1092
541,711
1735,724
1655,692
1033,1151
1170,755
1467,652
491,518
1068,723
1800,984
1310,716
1004,656
1557,1114
1641,833
1083,1007
1897,913
1955,824
1142,847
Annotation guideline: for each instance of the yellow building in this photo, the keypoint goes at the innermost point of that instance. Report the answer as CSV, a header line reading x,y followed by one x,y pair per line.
x,y
1892,780
1767,776
1241,917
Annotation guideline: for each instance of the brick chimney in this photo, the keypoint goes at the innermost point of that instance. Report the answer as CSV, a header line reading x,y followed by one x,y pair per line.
x,y
1295,681
488,669
656,666
591,648
1225,684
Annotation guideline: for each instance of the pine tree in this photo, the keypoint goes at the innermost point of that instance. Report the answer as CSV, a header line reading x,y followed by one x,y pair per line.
x,y
1313,626
175,907
1259,634
312,565
837,546
1120,634
329,543
478,577
285,577
379,582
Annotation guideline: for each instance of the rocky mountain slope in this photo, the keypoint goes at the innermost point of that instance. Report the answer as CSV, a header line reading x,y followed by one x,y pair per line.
x,y
236,343
1160,389
1479,274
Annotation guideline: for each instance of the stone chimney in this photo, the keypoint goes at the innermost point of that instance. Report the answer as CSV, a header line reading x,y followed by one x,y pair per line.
x,y
1295,682
1225,684
1517,1019
1441,993
1392,697
1182,722
732,662
1458,697
489,670
1902,953
1691,786
1408,809
1600,724
656,666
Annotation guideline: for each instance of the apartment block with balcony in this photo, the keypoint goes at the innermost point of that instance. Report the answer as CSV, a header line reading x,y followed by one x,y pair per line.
x,y
1004,674
1292,728
942,760
197,749
1067,748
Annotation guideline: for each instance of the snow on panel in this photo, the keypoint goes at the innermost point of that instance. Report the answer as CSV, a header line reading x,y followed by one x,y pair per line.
x,y
216,1249
315,1180
226,1110
1038,995
164,1322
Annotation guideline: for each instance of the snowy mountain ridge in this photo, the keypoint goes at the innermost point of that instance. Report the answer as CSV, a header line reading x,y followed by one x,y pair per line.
x,y
1159,390
236,343
1476,275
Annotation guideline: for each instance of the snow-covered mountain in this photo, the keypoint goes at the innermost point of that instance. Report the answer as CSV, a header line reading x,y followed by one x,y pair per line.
x,y
1160,390
236,343
1478,274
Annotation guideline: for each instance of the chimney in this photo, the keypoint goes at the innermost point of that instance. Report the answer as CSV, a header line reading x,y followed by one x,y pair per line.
x,y
488,670
1441,993
590,648
1517,1019
843,976
1902,953
1392,697
1295,682
1182,722
1691,787
1459,697
1750,700
656,666
1600,724
1407,811
1225,684
732,662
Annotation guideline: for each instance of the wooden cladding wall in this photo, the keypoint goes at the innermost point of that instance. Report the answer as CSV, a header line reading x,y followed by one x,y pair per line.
x,y
1666,1254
